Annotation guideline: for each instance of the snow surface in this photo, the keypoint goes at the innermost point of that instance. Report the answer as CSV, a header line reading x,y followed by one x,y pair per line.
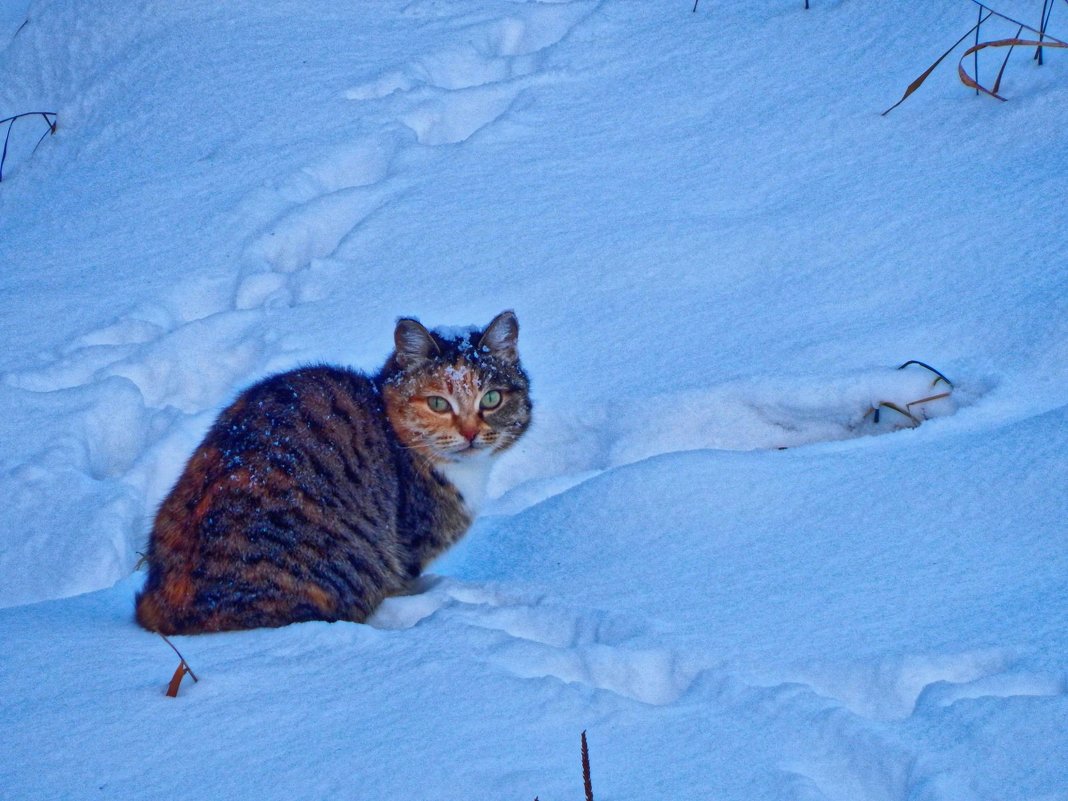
x,y
718,251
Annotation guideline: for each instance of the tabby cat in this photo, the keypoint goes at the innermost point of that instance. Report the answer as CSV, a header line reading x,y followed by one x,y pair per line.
x,y
322,490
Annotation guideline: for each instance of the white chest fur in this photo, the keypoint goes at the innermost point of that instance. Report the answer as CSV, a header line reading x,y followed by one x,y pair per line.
x,y
470,476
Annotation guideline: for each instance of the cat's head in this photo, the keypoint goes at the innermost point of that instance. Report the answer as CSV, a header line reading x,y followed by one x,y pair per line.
x,y
454,394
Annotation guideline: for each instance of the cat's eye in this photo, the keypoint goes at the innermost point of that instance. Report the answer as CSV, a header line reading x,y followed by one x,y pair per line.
x,y
491,400
438,404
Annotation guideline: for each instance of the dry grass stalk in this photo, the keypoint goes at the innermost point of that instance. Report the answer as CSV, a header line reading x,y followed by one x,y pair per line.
x,y
586,783
179,673
50,118
906,411
970,82
1044,40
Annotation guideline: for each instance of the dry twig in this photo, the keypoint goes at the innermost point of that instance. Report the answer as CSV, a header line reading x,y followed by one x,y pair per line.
x,y
50,118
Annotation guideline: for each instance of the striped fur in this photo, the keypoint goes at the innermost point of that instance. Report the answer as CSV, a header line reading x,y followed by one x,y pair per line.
x,y
320,491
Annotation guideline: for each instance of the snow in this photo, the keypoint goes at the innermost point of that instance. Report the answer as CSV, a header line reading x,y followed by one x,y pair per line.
x,y
471,477
706,552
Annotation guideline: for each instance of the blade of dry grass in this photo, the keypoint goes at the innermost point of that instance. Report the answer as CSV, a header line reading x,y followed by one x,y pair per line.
x,y
179,674
176,680
916,84
1044,40
899,410
926,400
970,82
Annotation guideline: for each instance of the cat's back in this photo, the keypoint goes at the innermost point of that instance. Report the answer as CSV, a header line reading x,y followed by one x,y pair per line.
x,y
322,428
308,408
286,511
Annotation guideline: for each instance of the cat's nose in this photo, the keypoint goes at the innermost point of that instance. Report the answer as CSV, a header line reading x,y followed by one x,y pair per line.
x,y
469,432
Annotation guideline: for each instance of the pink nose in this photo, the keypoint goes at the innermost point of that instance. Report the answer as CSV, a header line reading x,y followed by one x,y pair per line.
x,y
469,433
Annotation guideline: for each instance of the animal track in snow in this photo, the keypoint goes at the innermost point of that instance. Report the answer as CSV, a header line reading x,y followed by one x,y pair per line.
x,y
314,230
455,116
653,675
450,95
897,687
541,641
856,749
319,206
496,51
1007,684
443,97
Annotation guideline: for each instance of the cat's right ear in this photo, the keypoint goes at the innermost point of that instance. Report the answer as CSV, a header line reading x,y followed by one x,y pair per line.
x,y
413,342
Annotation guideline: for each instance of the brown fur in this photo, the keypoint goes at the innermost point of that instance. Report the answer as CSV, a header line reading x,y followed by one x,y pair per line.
x,y
320,491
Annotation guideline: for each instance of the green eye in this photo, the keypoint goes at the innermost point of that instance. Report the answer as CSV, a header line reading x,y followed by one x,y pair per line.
x,y
491,400
438,403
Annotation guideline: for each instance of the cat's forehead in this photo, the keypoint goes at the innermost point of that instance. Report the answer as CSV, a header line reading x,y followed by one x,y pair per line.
x,y
459,377
460,351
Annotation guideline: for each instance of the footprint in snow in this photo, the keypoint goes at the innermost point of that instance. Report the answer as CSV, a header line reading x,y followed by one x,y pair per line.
x,y
536,640
493,52
897,687
439,98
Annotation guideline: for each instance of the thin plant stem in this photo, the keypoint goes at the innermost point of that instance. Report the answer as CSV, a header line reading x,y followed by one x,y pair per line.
x,y
912,87
927,367
50,119
1014,21
45,114
3,157
188,669
1005,63
586,782
1043,20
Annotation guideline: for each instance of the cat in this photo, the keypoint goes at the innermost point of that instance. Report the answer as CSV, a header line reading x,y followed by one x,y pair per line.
x,y
322,490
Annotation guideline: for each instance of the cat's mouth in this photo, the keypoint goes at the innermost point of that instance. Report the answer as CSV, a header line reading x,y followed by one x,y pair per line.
x,y
468,450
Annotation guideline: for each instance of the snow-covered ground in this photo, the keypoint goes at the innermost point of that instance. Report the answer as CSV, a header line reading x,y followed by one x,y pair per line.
x,y
705,553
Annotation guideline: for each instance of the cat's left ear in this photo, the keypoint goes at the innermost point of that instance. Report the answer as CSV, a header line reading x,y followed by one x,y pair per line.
x,y
501,337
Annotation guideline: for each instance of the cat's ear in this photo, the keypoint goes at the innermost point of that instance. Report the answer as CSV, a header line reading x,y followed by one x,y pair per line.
x,y
501,337
413,342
